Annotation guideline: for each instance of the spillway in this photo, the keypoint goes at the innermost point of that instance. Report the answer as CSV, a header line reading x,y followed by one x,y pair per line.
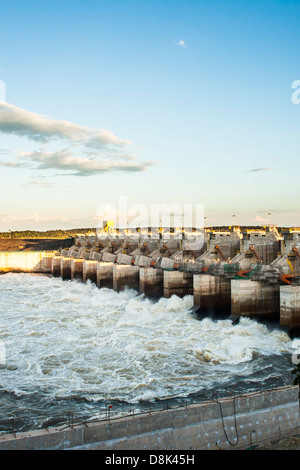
x,y
71,346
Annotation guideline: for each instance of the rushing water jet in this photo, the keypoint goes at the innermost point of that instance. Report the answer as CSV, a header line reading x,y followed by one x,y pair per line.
x,y
67,343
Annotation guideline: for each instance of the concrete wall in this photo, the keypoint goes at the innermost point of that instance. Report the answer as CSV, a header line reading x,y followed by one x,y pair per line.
x,y
76,268
178,283
123,258
212,293
105,275
290,306
151,282
254,298
26,261
242,420
143,261
89,270
266,245
109,257
125,276
65,267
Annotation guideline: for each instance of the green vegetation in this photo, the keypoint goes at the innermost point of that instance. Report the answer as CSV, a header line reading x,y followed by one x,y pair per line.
x,y
61,234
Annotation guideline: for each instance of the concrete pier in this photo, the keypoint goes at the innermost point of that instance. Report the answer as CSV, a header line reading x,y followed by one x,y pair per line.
x,y
76,268
178,283
105,275
89,270
151,282
125,276
290,306
46,263
65,268
254,299
56,266
212,294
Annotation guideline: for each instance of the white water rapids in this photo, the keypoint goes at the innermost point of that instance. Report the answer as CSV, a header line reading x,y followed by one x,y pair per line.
x,y
67,339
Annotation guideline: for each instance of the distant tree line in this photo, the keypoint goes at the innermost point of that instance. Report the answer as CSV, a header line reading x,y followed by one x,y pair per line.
x,y
88,231
47,234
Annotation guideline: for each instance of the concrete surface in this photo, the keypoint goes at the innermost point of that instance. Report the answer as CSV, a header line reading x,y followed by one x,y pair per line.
x,y
231,423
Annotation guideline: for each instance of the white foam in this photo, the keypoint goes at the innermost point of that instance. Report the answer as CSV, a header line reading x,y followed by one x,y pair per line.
x,y
69,337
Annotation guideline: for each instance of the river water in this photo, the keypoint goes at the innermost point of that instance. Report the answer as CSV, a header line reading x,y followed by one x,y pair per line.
x,y
71,347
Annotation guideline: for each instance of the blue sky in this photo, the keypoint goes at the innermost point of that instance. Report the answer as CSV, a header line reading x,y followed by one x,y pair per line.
x,y
194,98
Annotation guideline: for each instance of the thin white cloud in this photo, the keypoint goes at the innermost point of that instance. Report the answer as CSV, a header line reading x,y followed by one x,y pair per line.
x,y
46,184
254,170
8,219
19,121
81,166
279,211
261,219
181,43
13,164
100,150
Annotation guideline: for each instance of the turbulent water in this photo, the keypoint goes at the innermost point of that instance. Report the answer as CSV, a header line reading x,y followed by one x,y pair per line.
x,y
71,347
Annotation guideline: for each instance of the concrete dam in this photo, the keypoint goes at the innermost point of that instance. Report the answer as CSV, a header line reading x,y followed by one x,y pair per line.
x,y
253,274
233,274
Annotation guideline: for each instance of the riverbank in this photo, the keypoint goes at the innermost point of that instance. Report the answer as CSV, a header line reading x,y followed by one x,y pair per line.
x,y
32,244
